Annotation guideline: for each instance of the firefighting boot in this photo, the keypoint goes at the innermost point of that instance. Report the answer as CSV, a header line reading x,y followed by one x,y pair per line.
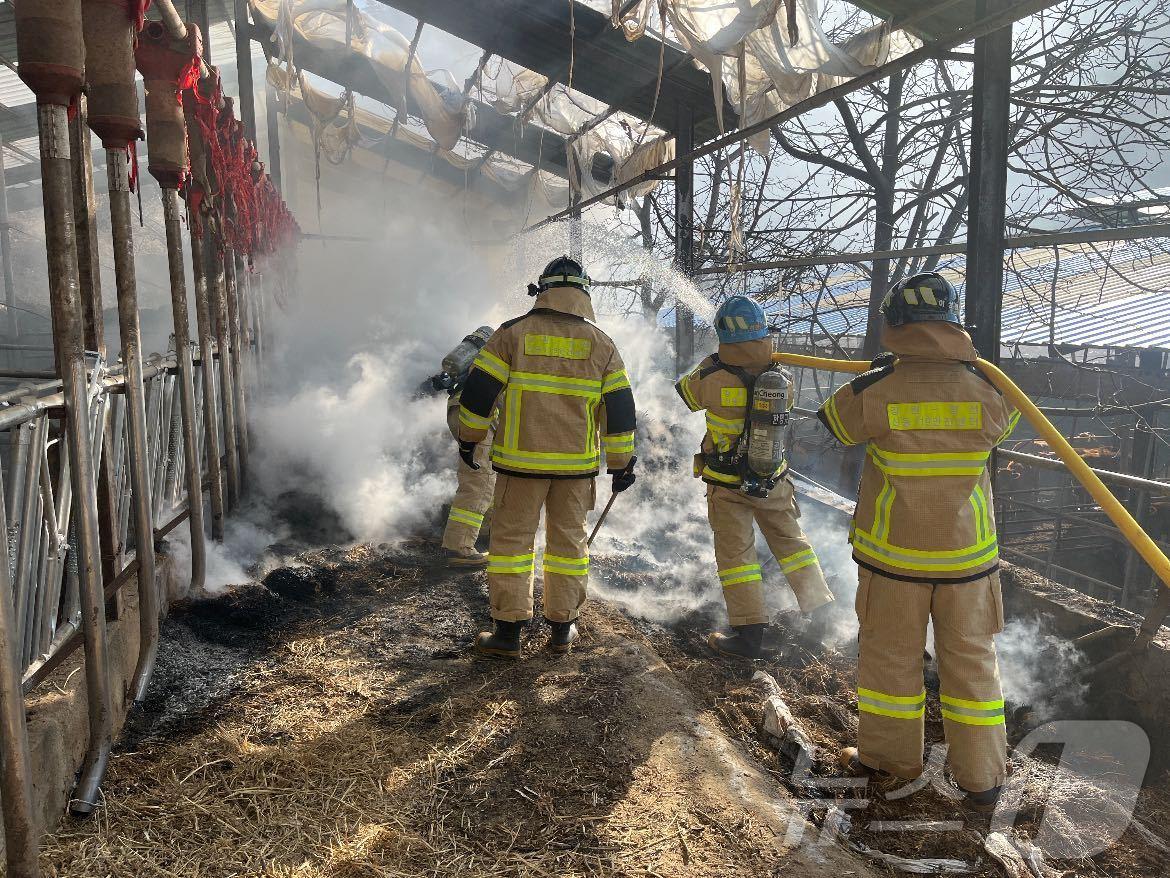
x,y
850,760
503,642
564,635
747,642
465,559
984,802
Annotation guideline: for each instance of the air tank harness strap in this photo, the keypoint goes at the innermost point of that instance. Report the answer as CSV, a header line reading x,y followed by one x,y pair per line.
x,y
732,461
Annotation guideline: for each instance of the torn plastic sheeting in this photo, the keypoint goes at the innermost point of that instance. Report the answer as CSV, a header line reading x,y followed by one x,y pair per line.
x,y
779,71
922,866
322,24
626,146
547,193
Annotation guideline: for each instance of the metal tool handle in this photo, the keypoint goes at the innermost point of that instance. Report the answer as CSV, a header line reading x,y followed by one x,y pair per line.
x,y
601,520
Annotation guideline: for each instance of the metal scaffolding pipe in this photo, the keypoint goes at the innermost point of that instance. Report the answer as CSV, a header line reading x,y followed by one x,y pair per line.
x,y
234,268
68,333
21,846
193,472
6,252
210,406
129,330
1123,480
217,301
89,279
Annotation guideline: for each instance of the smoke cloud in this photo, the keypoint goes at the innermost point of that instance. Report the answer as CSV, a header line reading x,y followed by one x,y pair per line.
x,y
341,419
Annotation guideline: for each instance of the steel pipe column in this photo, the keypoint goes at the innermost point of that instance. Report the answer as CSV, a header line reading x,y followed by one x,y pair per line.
x,y
89,277
117,172
244,69
113,103
164,52
233,267
684,234
68,335
988,183
52,58
217,301
211,446
172,212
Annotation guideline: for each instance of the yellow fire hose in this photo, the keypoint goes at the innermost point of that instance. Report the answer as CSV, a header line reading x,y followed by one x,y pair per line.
x,y
1118,514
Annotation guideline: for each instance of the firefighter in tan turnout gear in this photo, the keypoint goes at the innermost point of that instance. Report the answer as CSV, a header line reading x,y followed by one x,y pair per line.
x,y
473,497
747,403
564,404
924,538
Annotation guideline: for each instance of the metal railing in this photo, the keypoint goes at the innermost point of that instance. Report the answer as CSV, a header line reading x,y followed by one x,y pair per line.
x,y
39,552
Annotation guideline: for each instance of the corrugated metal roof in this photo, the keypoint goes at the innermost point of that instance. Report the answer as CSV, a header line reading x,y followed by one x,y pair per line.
x,y
1106,296
1135,322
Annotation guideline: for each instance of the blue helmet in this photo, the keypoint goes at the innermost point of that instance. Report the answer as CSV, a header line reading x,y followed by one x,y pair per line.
x,y
740,319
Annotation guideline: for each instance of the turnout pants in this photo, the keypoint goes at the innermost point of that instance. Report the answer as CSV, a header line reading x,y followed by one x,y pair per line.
x,y
473,498
732,514
891,697
512,553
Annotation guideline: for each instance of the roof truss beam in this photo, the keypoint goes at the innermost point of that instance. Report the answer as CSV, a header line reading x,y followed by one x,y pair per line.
x,y
538,35
529,143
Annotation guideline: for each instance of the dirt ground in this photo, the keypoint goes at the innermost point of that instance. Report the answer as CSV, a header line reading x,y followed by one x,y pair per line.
x,y
332,722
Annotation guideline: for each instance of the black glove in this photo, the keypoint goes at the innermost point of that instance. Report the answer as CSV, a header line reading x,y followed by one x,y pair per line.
x,y
623,478
467,452
882,360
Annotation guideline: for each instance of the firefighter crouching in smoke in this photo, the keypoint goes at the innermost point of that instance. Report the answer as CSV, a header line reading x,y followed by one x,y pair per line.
x,y
747,402
924,539
473,497
564,401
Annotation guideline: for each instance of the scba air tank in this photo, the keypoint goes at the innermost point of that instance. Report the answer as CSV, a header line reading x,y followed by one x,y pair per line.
x,y
460,359
768,420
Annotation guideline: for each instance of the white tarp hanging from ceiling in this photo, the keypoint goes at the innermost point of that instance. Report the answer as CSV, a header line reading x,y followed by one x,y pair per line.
x,y
778,49
765,55
614,149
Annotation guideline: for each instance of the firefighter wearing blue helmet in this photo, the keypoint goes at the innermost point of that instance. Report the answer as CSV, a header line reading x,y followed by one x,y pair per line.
x,y
747,402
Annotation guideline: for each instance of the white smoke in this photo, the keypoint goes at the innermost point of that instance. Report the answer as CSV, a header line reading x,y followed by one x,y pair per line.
x,y
1040,670
248,534
340,418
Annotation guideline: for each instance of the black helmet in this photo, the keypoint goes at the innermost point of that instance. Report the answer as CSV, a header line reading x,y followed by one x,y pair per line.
x,y
924,297
561,272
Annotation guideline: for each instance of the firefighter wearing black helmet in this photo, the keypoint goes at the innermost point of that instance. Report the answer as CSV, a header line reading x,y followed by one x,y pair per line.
x,y
565,406
924,539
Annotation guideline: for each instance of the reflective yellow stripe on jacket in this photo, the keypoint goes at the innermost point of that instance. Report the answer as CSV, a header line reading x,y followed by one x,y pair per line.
x,y
619,443
506,452
943,561
615,381
493,365
875,543
835,424
954,463
688,395
723,431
